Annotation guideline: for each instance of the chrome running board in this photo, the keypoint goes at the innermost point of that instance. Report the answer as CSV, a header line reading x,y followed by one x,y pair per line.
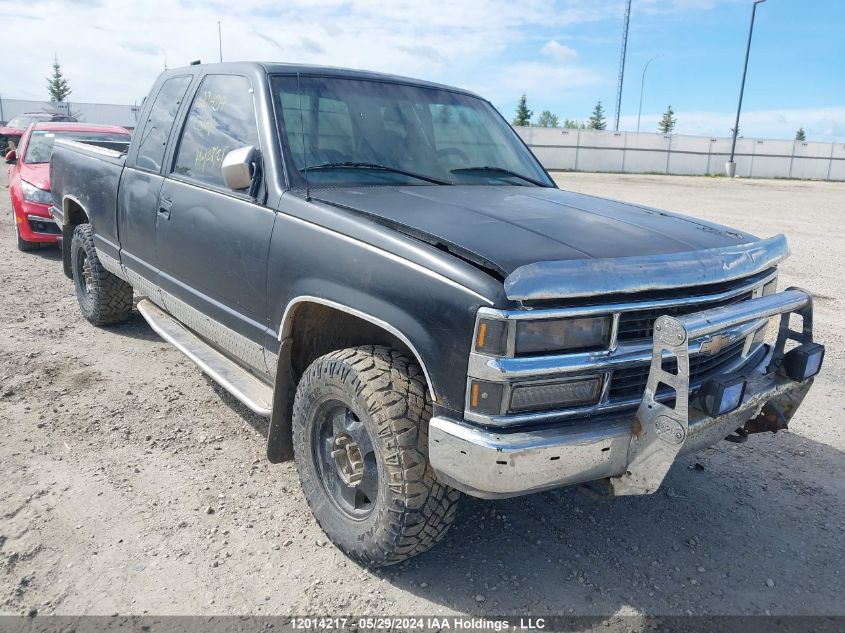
x,y
252,391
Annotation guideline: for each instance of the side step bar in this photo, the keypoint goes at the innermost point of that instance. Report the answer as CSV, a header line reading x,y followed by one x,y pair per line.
x,y
252,391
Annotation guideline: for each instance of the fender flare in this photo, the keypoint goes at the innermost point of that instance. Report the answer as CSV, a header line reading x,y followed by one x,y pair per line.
x,y
279,436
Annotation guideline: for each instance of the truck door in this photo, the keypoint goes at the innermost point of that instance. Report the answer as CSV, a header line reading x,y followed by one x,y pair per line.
x,y
213,242
140,185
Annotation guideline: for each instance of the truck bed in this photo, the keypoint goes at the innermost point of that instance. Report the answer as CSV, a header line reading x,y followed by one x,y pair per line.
x,y
87,175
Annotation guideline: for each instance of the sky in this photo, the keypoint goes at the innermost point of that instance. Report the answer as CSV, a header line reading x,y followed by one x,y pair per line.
x,y
563,54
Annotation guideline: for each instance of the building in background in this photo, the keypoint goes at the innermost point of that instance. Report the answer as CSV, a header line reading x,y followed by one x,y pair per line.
x,y
104,113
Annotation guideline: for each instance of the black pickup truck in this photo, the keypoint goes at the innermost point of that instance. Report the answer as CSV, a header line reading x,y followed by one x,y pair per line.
x,y
384,269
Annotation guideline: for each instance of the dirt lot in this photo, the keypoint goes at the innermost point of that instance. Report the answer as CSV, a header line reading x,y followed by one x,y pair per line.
x,y
130,483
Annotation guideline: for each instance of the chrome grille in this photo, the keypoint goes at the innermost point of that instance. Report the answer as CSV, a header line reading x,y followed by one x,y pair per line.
x,y
630,382
638,324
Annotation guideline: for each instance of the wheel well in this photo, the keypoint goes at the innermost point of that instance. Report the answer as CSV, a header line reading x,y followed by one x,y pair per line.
x,y
319,329
310,330
74,213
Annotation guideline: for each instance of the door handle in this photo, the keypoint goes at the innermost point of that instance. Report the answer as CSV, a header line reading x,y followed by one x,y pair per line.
x,y
164,207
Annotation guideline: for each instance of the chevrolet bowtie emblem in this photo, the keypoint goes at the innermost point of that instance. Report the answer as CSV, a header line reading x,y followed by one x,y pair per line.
x,y
717,342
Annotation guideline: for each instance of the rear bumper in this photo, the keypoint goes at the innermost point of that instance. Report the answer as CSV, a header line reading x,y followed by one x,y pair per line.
x,y
634,451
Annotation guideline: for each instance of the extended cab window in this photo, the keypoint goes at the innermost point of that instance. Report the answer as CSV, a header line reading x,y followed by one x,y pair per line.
x,y
157,129
222,118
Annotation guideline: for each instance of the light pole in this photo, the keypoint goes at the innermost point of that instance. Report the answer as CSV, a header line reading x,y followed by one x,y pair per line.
x,y
642,85
730,166
220,40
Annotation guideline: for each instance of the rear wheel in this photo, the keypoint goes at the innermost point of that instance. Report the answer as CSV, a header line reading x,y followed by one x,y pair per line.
x,y
103,297
23,245
360,433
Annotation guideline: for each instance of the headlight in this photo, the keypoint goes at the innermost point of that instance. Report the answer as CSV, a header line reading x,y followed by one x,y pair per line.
x,y
553,335
31,193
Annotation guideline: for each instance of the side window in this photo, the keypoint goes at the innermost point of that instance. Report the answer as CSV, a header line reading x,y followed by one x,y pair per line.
x,y
157,129
222,118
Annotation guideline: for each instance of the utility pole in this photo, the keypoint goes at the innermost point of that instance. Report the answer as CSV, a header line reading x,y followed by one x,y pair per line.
x,y
730,166
220,40
622,66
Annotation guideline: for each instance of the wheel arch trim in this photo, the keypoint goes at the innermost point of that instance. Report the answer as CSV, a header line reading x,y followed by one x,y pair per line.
x,y
71,198
287,323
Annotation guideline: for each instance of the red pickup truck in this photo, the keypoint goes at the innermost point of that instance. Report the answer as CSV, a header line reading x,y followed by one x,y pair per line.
x,y
29,176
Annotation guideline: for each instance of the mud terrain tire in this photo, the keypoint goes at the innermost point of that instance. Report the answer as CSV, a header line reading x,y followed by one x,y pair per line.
x,y
381,396
103,297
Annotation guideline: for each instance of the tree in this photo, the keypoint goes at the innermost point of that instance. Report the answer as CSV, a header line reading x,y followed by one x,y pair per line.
x,y
572,124
547,119
800,135
597,120
523,114
57,85
668,122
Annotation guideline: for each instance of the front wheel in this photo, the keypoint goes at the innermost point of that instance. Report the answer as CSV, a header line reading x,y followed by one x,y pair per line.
x,y
22,244
360,437
103,297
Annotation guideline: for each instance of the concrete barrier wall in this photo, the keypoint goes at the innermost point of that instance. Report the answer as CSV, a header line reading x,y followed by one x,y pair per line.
x,y
643,153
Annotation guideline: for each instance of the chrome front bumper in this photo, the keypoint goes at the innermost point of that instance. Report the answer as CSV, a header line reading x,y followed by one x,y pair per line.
x,y
633,452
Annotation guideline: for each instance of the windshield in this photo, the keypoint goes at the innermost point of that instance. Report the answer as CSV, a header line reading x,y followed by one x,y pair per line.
x,y
21,122
352,132
39,149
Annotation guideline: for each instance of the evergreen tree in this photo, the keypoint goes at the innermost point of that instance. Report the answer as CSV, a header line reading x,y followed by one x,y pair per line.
x,y
800,135
547,119
523,114
668,122
597,119
572,124
57,86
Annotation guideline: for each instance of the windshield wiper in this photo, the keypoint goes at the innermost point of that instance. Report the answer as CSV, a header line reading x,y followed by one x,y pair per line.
x,y
502,171
395,170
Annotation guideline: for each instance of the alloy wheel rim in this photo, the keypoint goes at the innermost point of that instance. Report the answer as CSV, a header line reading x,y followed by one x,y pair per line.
x,y
346,460
87,277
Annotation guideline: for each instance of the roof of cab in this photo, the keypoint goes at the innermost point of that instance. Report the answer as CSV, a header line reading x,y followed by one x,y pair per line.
x,y
278,68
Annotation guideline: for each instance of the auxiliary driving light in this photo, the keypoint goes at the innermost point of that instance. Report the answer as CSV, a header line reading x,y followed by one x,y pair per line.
x,y
719,396
804,361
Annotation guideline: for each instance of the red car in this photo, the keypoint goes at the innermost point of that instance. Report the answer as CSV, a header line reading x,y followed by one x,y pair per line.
x,y
29,176
11,132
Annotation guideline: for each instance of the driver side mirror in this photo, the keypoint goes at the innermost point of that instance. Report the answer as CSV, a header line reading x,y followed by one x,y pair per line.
x,y
239,167
11,157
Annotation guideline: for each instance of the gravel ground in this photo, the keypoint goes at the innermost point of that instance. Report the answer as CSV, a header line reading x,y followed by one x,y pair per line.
x,y
130,483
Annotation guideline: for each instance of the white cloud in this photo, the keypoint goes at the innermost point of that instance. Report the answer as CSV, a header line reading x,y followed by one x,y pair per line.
x,y
559,52
111,51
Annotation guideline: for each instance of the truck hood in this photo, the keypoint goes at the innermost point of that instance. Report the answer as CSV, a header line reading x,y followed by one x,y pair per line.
x,y
505,227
